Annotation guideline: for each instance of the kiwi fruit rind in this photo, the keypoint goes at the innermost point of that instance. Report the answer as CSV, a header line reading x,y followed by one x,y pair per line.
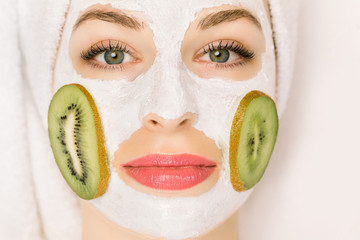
x,y
252,139
77,141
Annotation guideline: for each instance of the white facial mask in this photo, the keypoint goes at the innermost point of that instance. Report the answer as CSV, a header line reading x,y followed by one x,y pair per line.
x,y
169,90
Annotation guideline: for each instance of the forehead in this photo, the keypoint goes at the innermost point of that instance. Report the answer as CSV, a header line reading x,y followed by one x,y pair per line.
x,y
174,14
169,20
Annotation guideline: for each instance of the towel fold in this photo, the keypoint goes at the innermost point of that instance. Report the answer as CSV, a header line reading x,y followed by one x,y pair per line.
x,y
19,217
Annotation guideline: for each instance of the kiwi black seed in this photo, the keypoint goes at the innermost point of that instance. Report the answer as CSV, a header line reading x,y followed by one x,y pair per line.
x,y
252,140
77,141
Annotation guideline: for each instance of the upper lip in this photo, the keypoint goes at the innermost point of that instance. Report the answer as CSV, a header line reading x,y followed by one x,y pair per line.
x,y
171,160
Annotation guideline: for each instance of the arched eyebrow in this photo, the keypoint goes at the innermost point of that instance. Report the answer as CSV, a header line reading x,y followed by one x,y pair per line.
x,y
216,18
117,17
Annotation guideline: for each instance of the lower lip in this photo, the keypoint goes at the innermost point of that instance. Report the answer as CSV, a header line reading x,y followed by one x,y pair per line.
x,y
160,174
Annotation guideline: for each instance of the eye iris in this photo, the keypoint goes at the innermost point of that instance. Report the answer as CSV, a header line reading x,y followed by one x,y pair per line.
x,y
114,57
220,55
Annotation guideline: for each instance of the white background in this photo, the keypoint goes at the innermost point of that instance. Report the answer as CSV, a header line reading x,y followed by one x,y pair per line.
x,y
311,189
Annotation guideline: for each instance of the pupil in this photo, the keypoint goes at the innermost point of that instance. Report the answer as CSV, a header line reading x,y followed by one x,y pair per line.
x,y
114,57
220,55
217,54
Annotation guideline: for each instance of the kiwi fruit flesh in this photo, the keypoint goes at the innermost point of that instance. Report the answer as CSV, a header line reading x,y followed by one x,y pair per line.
x,y
252,139
77,141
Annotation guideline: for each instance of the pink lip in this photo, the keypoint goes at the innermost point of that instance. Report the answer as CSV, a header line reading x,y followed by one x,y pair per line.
x,y
170,172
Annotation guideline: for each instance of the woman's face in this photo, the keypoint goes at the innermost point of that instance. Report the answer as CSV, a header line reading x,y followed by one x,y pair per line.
x,y
167,78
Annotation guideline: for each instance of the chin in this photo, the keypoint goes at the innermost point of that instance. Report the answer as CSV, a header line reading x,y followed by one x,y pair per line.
x,y
170,217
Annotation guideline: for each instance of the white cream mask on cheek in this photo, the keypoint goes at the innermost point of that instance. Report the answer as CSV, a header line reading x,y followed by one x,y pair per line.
x,y
169,90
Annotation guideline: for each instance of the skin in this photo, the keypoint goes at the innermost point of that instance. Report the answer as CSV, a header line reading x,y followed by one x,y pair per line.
x,y
158,134
195,40
145,50
97,226
168,136
163,135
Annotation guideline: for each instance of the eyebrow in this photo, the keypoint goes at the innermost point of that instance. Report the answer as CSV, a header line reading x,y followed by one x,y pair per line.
x,y
110,16
231,15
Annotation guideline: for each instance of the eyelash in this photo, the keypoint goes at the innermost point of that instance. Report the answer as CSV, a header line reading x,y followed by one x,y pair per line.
x,y
245,54
108,45
104,46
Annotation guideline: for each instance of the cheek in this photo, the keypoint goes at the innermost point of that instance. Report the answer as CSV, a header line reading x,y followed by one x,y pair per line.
x,y
252,139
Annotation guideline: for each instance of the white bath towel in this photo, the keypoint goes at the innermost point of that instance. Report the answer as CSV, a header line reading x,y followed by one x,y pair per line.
x,y
35,202
18,207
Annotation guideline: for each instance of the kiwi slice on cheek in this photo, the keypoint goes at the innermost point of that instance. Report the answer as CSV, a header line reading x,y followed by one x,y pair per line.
x,y
252,139
77,141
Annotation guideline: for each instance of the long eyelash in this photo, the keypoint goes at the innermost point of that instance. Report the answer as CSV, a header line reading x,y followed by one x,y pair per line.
x,y
101,47
237,48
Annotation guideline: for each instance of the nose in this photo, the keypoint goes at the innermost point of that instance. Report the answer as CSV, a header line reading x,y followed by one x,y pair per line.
x,y
155,123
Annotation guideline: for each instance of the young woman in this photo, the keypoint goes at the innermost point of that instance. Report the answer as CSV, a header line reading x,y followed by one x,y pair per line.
x,y
167,79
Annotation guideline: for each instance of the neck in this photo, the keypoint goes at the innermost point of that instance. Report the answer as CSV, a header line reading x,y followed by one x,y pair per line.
x,y
97,226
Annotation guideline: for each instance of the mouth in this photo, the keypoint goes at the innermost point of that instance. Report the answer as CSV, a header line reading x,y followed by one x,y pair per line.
x,y
170,172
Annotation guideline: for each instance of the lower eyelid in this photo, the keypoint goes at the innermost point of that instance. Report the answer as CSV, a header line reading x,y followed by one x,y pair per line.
x,y
108,67
98,65
242,60
230,65
234,63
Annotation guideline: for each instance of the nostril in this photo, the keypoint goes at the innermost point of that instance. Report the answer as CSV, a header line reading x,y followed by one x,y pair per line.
x,y
183,122
154,122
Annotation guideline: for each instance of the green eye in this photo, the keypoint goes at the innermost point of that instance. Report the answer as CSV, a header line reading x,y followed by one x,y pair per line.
x,y
225,53
114,57
219,55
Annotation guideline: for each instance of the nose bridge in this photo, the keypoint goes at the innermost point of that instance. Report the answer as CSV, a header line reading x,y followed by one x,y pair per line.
x,y
170,98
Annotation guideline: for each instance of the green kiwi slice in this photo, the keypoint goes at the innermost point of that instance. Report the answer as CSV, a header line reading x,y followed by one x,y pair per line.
x,y
77,141
252,139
